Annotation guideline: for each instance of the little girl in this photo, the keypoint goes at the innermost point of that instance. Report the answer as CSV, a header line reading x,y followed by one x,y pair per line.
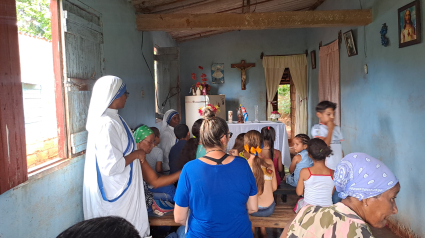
x,y
264,174
316,183
238,149
300,161
269,135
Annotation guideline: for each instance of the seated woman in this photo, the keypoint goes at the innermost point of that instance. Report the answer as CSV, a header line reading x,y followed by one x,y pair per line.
x,y
368,190
219,189
196,128
264,176
168,138
145,140
238,149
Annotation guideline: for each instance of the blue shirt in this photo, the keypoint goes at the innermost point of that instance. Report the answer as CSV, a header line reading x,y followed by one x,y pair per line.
x,y
217,197
174,155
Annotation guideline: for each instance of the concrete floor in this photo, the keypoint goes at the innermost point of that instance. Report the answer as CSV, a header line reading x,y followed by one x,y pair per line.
x,y
292,199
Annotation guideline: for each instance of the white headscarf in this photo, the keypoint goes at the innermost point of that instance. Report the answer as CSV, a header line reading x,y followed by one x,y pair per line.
x,y
105,91
167,118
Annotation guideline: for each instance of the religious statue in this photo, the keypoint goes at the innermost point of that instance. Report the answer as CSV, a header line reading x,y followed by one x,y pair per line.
x,y
243,67
240,115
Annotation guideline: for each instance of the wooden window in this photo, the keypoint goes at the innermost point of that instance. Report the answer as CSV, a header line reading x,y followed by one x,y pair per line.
x,y
13,163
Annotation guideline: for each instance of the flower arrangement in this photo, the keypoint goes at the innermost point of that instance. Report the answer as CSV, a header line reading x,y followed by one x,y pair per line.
x,y
203,87
275,115
214,108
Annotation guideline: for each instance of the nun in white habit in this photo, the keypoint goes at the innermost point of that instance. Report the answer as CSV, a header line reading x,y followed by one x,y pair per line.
x,y
113,180
168,138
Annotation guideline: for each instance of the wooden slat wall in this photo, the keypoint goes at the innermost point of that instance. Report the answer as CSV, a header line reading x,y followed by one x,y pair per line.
x,y
13,162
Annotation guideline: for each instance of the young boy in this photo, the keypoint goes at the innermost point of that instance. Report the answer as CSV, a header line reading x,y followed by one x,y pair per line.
x,y
182,134
331,134
154,158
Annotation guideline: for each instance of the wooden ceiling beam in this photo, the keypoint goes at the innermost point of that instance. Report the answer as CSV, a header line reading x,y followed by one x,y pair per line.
x,y
253,21
198,36
172,6
152,3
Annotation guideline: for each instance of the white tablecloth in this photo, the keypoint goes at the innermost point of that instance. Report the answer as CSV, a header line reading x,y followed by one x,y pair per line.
x,y
281,142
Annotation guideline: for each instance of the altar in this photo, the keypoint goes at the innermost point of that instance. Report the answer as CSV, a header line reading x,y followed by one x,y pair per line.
x,y
281,142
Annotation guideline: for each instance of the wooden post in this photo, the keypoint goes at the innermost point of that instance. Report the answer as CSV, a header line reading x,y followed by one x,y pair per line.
x,y
57,68
13,156
253,21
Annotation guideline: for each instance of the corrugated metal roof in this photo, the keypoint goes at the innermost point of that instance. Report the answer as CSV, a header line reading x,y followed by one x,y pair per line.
x,y
218,6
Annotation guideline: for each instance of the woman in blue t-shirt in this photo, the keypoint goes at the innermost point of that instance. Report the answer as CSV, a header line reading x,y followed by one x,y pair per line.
x,y
219,189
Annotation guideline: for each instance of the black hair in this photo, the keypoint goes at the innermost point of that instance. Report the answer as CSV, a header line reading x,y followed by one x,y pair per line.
x,y
188,152
323,105
101,227
269,134
304,138
318,149
155,131
181,131
196,128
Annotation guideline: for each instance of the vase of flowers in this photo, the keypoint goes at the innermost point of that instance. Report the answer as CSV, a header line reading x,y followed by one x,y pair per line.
x,y
275,115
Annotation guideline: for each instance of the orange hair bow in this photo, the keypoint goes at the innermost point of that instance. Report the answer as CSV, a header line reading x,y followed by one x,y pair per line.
x,y
253,150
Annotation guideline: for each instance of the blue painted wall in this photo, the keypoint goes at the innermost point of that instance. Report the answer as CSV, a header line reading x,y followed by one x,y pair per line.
x,y
230,48
46,206
382,112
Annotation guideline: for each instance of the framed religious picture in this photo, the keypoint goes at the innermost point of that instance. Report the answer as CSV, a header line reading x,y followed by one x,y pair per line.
x,y
217,73
409,24
349,42
313,59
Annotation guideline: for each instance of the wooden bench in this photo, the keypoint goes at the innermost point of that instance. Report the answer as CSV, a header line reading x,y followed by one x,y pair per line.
x,y
284,189
282,215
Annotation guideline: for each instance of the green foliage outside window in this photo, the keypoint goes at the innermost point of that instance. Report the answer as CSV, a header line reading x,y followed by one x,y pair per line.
x,y
34,17
284,98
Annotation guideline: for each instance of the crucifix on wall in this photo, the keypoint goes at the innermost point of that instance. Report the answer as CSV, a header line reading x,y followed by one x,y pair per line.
x,y
243,67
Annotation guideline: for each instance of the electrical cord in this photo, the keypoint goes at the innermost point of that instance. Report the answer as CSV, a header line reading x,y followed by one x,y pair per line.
x,y
147,65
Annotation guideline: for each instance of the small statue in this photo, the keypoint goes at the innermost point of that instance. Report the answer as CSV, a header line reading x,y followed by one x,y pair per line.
x,y
240,115
384,40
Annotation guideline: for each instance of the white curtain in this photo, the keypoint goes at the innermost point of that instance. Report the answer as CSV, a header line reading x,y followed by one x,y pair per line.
x,y
273,69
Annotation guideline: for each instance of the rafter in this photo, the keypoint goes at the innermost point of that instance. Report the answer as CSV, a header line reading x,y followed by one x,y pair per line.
x,y
253,21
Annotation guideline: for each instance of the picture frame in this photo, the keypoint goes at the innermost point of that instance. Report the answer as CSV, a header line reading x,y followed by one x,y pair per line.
x,y
409,24
217,73
350,44
313,59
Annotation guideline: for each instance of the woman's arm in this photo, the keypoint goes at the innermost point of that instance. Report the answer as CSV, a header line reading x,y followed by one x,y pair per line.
x,y
137,154
158,181
252,204
180,214
304,174
294,163
159,167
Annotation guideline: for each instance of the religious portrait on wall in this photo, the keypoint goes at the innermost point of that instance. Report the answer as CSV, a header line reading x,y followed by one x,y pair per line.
x,y
217,73
409,24
349,42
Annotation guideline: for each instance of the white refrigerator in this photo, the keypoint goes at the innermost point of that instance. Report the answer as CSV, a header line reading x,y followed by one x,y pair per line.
x,y
193,103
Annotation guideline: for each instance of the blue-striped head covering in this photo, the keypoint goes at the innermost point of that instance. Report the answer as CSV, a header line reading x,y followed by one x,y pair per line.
x,y
120,92
362,176
171,116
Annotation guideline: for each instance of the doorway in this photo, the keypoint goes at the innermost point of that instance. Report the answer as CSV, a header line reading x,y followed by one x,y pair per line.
x,y
285,103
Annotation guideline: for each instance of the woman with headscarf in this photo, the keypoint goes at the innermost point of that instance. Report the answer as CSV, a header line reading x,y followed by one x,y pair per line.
x,y
113,178
168,139
368,190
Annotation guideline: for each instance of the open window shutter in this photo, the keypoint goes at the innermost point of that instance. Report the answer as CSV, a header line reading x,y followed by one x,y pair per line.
x,y
82,42
168,70
13,159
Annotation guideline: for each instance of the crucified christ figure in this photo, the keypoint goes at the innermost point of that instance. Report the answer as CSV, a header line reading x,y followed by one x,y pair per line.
x,y
243,67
